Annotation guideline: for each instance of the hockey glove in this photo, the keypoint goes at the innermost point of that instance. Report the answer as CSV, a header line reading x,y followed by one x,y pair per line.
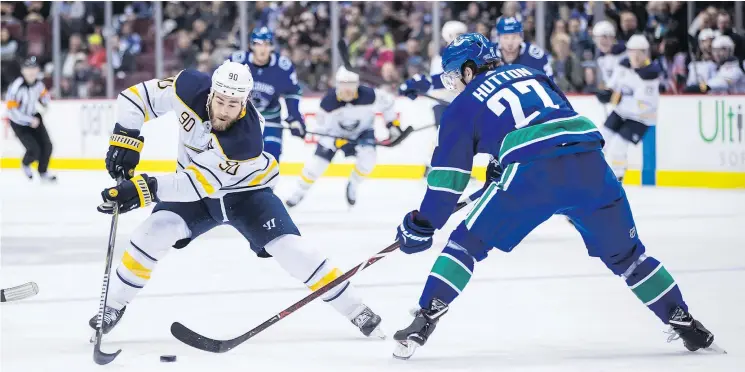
x,y
493,171
394,130
604,95
138,192
414,234
124,152
414,86
297,127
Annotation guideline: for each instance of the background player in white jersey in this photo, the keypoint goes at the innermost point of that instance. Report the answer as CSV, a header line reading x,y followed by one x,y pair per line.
x,y
347,116
634,90
275,77
703,68
224,176
729,77
610,52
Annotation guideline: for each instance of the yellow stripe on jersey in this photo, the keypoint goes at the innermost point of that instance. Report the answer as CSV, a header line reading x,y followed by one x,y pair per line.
x,y
328,278
134,90
201,179
135,267
257,180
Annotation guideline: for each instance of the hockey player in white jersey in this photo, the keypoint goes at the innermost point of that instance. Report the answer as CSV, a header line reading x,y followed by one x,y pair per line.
x,y
634,91
703,69
347,116
729,77
610,52
224,176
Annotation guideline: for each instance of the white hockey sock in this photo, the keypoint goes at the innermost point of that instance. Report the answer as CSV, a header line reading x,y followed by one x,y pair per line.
x,y
315,271
149,243
364,165
617,150
312,170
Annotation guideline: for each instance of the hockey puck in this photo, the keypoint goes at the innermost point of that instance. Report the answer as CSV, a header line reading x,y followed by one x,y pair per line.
x,y
167,358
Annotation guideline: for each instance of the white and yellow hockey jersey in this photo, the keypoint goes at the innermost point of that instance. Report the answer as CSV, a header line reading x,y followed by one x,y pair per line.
x,y
210,163
637,92
351,119
728,79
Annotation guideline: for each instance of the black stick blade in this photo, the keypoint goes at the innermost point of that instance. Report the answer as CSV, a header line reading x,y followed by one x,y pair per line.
x,y
102,358
344,54
195,340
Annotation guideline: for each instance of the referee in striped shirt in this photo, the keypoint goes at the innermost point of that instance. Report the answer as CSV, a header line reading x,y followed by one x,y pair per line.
x,y
23,96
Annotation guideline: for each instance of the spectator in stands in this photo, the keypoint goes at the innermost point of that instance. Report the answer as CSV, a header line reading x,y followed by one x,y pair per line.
x,y
628,27
130,42
724,26
9,46
8,59
589,72
74,54
703,68
185,50
673,63
567,69
7,12
580,40
97,55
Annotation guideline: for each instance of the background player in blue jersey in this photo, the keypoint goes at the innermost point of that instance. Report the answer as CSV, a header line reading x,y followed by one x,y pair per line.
x,y
553,164
274,77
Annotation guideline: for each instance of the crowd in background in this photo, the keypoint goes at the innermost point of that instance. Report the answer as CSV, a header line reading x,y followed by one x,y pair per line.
x,y
388,40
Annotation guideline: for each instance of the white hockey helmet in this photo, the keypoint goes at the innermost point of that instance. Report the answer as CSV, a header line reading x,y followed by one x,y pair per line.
x,y
637,42
345,76
233,79
603,28
723,42
452,29
706,34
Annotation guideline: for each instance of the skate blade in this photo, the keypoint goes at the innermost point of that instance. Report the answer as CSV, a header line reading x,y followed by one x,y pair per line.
x,y
404,349
378,333
714,348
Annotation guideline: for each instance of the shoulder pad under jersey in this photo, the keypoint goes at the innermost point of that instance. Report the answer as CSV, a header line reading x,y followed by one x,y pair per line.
x,y
618,48
650,72
192,89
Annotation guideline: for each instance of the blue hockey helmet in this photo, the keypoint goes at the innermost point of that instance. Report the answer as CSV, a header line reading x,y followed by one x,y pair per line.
x,y
262,35
472,47
509,25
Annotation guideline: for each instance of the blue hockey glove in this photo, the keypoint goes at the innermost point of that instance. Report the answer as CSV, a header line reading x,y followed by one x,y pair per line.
x,y
414,86
297,127
131,194
415,235
493,171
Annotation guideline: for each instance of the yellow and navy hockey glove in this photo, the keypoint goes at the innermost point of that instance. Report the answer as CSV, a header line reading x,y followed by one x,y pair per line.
x,y
394,130
131,194
124,152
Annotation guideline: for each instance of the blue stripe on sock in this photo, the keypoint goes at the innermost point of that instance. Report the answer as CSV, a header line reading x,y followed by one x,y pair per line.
x,y
315,272
143,252
127,282
346,285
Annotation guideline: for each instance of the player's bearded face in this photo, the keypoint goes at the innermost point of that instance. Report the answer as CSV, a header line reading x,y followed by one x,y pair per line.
x,y
224,111
347,91
261,50
510,45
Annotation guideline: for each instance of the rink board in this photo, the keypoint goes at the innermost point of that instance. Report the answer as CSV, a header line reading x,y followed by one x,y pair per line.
x,y
698,141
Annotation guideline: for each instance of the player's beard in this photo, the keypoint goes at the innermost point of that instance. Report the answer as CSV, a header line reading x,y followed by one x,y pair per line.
x,y
222,124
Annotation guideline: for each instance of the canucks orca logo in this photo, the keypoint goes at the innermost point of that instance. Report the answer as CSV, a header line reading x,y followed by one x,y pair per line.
x,y
349,125
259,101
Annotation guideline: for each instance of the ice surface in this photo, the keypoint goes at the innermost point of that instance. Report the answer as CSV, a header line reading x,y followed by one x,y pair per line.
x,y
544,307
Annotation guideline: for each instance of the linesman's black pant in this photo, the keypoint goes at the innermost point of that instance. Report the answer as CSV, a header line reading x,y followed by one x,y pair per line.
x,y
37,143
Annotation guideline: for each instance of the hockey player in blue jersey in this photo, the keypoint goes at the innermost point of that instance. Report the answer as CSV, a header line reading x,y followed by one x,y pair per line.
x,y
553,164
275,76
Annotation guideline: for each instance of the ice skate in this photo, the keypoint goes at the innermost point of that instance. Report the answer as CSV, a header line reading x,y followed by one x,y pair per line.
x,y
417,334
48,178
369,323
111,318
694,335
27,172
295,199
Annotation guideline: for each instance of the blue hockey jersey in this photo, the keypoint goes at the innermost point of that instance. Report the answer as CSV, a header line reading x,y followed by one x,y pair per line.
x,y
514,113
276,78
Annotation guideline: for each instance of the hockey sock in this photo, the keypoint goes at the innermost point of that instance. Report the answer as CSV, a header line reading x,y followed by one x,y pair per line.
x,y
364,164
617,152
131,275
654,286
449,275
313,170
315,271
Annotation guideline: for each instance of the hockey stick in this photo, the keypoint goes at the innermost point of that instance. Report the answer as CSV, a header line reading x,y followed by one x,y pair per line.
x,y
193,339
344,54
99,356
20,292
385,143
